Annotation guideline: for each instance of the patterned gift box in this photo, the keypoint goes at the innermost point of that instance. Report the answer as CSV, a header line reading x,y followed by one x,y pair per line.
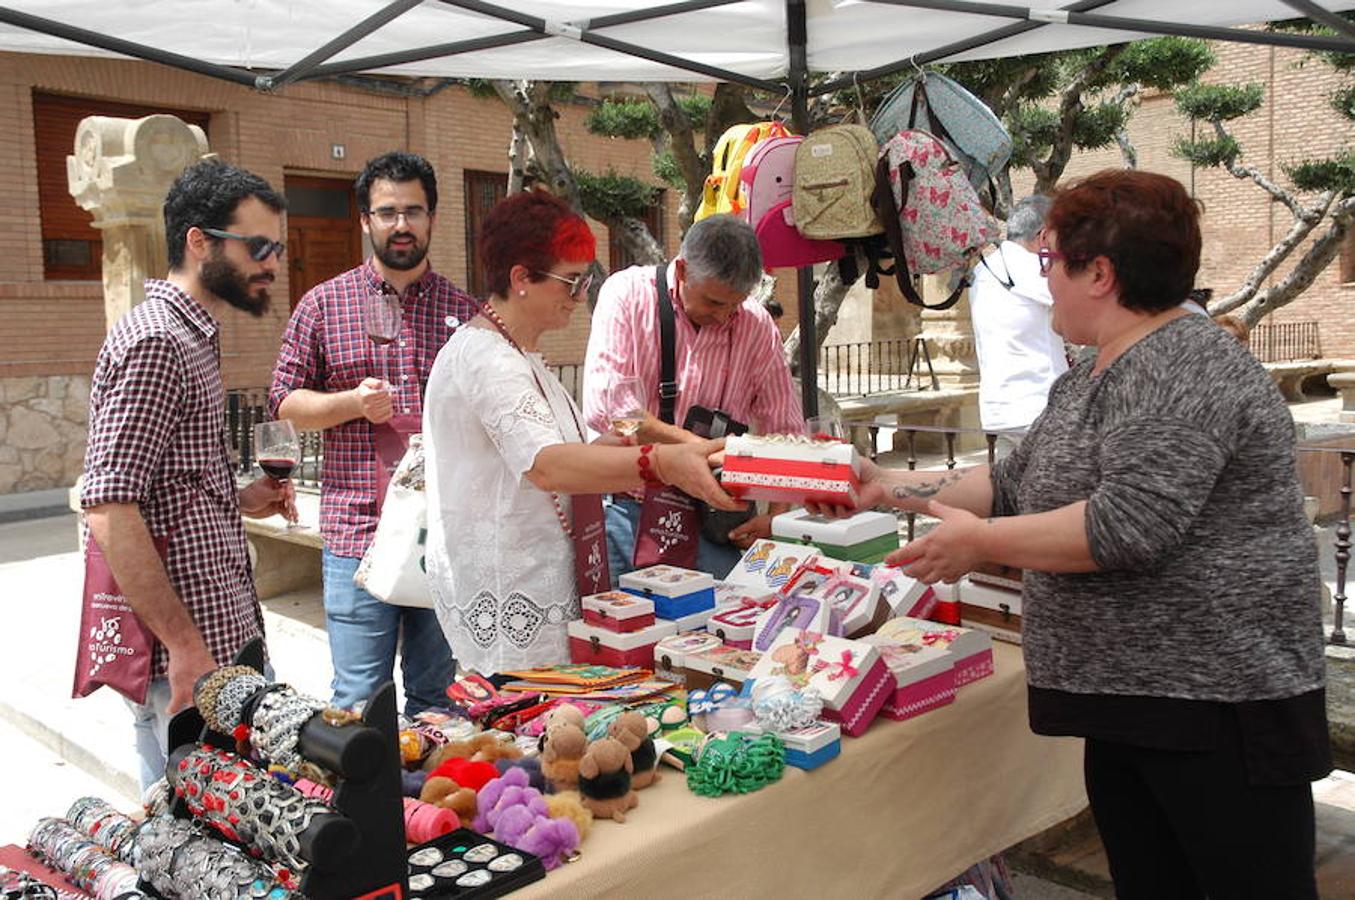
x,y
676,592
795,611
850,675
813,745
670,653
924,675
768,566
618,611
866,536
971,650
791,469
856,602
736,625
722,663
590,645
903,595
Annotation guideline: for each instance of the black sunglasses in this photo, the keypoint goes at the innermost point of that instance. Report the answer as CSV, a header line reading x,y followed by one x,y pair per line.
x,y
259,247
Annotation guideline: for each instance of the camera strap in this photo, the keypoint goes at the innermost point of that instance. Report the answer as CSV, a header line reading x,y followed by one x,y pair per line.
x,y
668,387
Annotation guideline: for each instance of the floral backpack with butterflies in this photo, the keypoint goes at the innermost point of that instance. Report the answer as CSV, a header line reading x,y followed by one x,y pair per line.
x,y
933,219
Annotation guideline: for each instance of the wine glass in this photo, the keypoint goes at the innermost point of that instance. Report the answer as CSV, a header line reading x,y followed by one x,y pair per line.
x,y
626,406
825,428
278,450
381,318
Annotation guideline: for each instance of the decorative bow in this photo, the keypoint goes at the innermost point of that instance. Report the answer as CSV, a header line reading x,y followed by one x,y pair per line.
x,y
931,638
843,668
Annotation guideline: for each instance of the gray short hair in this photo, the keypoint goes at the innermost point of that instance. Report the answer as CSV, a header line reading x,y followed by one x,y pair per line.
x,y
1027,217
724,249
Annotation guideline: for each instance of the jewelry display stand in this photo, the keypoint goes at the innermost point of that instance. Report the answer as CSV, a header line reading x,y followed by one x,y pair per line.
x,y
366,760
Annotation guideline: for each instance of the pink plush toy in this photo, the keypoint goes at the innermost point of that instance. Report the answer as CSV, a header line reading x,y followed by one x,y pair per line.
x,y
550,839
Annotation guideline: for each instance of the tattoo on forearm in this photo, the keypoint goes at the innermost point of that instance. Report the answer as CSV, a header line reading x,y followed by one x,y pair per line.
x,y
927,489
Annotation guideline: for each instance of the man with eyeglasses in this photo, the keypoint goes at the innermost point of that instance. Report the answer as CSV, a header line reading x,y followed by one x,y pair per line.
x,y
364,388
1020,355
727,358
155,468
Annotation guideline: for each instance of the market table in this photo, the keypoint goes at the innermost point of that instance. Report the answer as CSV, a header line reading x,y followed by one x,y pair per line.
x,y
907,806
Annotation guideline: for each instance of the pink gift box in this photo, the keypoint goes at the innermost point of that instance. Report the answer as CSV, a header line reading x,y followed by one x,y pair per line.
x,y
924,676
971,650
851,676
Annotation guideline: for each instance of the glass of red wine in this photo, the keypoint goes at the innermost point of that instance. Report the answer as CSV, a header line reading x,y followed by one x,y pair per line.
x,y
381,318
278,450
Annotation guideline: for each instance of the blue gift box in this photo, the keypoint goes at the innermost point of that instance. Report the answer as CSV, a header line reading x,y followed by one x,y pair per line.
x,y
675,592
813,745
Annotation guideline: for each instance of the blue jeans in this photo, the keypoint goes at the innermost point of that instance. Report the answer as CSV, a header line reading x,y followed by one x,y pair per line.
x,y
363,633
623,520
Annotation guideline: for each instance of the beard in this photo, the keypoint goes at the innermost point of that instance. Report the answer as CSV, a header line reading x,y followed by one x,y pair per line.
x,y
224,280
402,259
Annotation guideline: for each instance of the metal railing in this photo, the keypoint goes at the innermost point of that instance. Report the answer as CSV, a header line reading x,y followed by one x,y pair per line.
x,y
571,376
871,367
246,407
1285,341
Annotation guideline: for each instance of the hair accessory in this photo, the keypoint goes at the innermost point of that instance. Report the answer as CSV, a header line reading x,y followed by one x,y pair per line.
x,y
701,702
736,764
778,706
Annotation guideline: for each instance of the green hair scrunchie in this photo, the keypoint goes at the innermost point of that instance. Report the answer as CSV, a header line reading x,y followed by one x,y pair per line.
x,y
736,763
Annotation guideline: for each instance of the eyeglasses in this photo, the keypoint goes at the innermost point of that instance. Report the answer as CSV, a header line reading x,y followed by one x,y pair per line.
x,y
389,215
260,247
1048,257
578,285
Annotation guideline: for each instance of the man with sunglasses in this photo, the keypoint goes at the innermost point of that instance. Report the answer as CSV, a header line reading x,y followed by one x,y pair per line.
x,y
365,390
155,470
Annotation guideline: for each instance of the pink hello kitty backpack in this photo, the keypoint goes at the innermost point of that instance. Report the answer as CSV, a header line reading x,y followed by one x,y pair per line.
x,y
933,219
766,181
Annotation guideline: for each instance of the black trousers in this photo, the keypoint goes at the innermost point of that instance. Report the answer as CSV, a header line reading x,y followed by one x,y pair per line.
x,y
1189,825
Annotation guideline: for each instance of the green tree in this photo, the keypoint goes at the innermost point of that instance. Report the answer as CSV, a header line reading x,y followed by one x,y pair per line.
x,y
1320,194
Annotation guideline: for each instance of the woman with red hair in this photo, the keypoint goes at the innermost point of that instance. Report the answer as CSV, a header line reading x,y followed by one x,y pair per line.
x,y
1171,588
505,449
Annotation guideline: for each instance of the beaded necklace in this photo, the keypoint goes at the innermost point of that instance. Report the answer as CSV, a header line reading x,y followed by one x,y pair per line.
x,y
493,318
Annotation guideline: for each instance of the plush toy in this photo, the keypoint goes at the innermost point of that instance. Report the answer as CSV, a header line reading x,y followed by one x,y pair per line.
x,y
446,793
530,765
564,714
411,783
549,839
508,790
604,780
632,730
569,805
481,748
467,773
564,746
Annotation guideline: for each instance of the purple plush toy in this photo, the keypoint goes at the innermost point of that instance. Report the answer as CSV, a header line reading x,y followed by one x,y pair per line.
x,y
550,839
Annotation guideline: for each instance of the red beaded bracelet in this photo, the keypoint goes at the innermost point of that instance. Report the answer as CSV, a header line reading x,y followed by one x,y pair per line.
x,y
648,471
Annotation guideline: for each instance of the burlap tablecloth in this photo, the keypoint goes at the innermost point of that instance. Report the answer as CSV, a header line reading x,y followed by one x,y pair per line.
x,y
907,806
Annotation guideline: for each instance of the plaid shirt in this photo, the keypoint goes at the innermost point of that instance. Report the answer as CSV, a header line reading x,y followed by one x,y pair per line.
x,y
157,438
326,348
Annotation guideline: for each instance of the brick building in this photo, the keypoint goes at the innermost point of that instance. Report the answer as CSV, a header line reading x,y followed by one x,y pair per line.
x,y
310,140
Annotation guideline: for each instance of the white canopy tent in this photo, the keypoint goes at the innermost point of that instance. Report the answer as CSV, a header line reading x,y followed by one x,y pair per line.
x,y
770,44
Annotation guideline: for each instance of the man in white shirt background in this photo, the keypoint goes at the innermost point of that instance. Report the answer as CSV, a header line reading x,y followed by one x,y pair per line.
x,y
1019,353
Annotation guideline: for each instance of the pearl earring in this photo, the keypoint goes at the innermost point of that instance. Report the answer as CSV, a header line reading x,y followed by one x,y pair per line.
x,y
522,293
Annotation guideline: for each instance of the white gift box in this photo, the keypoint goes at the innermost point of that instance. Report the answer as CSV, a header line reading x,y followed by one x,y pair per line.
x,y
693,622
865,536
970,649
767,566
856,601
721,663
676,592
924,675
904,596
850,675
795,611
736,625
791,469
730,594
993,609
591,645
813,745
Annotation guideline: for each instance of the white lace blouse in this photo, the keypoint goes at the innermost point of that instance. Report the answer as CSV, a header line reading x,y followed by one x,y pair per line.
x,y
500,567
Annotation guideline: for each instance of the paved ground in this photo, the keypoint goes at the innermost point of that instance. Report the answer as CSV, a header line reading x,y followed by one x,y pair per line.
x,y
57,749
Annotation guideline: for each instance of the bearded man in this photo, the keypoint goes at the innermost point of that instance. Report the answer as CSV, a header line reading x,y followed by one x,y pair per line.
x,y
155,467
354,362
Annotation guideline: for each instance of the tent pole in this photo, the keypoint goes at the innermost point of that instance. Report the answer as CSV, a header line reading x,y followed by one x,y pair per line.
x,y
302,67
798,79
1325,16
126,48
1123,23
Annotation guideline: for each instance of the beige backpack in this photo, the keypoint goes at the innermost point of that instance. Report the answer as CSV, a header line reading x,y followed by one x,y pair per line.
x,y
834,177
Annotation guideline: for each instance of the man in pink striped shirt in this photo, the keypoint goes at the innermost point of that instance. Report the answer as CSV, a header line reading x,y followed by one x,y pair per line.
x,y
727,357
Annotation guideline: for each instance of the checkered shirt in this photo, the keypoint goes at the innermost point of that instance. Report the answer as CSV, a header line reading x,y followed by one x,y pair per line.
x,y
326,348
157,438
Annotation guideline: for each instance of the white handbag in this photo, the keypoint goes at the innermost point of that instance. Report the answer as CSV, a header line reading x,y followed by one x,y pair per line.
x,y
392,569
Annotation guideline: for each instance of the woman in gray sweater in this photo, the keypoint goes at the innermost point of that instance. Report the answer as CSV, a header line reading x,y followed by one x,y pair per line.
x,y
1171,586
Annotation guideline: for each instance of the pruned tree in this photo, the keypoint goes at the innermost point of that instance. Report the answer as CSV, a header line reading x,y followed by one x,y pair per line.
x,y
1320,195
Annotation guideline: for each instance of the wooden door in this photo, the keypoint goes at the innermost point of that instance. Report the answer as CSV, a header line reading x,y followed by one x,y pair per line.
x,y
323,234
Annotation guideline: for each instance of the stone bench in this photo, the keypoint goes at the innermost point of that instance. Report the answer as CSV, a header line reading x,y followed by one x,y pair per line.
x,y
951,408
287,560
1291,376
